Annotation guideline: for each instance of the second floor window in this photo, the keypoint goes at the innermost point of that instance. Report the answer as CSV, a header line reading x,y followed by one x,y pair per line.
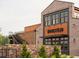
x,y
49,20
53,18
57,17
46,19
62,17
66,16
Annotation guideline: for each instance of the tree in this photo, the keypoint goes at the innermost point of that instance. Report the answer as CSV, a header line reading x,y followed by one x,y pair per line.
x,y
25,53
6,40
56,52
42,52
3,40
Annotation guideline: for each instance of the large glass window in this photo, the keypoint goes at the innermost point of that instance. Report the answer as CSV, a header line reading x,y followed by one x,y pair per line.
x,y
59,41
66,16
53,18
62,38
57,18
49,20
65,42
62,17
48,41
66,38
53,39
46,18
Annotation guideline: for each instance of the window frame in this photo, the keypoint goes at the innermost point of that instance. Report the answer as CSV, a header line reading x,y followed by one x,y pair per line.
x,y
53,19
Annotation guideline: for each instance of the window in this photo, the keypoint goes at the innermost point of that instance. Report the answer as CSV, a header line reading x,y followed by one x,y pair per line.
x,y
62,17
49,20
57,42
65,42
46,39
57,38
66,38
66,13
61,42
53,18
66,16
46,21
57,18
54,43
66,19
62,38
53,39
48,43
49,40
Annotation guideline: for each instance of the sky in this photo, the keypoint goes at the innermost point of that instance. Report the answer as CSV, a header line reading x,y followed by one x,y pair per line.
x,y
17,14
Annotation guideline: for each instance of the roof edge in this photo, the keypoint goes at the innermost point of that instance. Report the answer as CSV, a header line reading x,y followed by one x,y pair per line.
x,y
32,25
55,1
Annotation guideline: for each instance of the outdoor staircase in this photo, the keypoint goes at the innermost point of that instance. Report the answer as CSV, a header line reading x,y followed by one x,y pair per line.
x,y
16,39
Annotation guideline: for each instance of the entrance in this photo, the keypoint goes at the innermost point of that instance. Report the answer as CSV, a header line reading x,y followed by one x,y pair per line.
x,y
62,41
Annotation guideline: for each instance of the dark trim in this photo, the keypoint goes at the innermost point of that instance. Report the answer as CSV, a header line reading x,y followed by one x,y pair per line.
x,y
43,19
35,36
56,36
68,29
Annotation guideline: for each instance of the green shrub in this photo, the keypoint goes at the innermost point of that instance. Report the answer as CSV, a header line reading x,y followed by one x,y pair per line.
x,y
63,56
25,53
71,56
56,52
42,52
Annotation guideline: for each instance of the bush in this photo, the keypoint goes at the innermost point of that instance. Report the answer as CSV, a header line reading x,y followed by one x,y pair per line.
x,y
25,53
63,56
71,57
42,52
56,52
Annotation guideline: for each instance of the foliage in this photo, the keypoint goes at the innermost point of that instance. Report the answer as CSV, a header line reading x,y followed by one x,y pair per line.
x,y
64,56
56,52
42,52
3,40
71,56
25,53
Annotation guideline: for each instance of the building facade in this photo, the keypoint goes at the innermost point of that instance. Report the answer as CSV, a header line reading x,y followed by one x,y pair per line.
x,y
30,34
60,26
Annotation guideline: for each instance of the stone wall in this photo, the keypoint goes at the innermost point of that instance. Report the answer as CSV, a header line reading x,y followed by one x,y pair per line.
x,y
14,50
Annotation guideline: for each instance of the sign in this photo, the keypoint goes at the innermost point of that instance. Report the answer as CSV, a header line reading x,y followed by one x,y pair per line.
x,y
57,29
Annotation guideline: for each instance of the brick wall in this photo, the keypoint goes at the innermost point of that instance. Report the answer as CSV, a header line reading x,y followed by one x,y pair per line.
x,y
29,37
15,50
